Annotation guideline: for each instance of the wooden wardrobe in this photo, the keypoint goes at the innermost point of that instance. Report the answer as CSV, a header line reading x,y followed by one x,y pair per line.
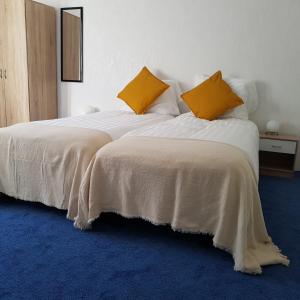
x,y
28,83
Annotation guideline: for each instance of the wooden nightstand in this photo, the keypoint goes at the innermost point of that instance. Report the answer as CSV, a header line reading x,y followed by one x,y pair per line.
x,y
277,155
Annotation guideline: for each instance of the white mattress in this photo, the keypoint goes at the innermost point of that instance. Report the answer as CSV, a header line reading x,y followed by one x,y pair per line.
x,y
240,133
115,123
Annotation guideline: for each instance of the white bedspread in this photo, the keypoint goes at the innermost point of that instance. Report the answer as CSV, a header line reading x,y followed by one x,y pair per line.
x,y
240,133
46,161
114,123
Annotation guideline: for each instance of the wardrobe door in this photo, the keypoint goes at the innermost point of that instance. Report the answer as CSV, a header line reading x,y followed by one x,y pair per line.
x,y
15,62
2,99
41,50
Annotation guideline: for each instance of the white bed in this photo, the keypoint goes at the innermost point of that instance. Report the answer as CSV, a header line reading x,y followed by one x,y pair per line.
x,y
45,161
198,176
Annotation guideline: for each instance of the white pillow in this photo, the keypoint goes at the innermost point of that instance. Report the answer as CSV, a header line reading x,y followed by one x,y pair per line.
x,y
243,88
239,87
252,102
167,102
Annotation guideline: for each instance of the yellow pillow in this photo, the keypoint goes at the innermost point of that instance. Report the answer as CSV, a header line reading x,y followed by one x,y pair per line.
x,y
212,98
142,91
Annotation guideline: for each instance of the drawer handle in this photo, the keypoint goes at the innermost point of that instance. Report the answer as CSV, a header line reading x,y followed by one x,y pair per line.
x,y
276,147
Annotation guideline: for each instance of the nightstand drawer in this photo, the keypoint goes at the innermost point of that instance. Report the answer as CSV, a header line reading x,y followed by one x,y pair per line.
x,y
277,146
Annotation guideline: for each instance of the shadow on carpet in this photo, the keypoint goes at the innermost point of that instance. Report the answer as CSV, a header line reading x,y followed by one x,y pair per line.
x,y
42,256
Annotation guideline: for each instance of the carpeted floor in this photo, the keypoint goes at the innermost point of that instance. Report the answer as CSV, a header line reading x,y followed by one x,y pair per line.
x,y
43,257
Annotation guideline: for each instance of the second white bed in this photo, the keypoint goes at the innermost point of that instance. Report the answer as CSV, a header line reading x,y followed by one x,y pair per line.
x,y
198,176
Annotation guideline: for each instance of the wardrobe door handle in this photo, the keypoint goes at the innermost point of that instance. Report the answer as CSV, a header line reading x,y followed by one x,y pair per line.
x,y
5,77
1,73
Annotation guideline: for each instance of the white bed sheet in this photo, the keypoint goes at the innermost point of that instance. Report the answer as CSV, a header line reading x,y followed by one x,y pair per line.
x,y
114,123
240,133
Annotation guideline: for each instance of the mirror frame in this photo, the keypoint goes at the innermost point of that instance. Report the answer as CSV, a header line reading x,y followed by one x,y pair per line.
x,y
62,44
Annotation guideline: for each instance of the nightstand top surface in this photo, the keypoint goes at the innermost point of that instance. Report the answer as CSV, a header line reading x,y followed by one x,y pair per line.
x,y
280,137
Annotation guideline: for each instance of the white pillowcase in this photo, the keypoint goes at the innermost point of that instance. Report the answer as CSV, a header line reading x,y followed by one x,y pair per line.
x,y
167,102
252,101
239,87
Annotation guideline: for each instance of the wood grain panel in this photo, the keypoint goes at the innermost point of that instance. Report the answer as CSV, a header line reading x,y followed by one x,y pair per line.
x,y
15,62
71,46
2,99
41,55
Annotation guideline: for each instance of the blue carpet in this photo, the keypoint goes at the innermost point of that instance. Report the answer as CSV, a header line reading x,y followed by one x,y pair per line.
x,y
43,257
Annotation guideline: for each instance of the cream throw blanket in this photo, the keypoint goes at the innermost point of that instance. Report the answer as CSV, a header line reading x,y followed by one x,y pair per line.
x,y
195,186
47,163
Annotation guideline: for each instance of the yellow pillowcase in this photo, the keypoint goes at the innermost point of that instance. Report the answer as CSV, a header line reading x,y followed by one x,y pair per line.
x,y
142,91
212,98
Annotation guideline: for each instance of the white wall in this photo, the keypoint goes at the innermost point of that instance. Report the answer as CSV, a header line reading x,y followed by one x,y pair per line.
x,y
257,39
55,3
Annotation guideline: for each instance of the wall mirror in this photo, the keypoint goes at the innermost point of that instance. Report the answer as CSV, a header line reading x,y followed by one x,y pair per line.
x,y
72,44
